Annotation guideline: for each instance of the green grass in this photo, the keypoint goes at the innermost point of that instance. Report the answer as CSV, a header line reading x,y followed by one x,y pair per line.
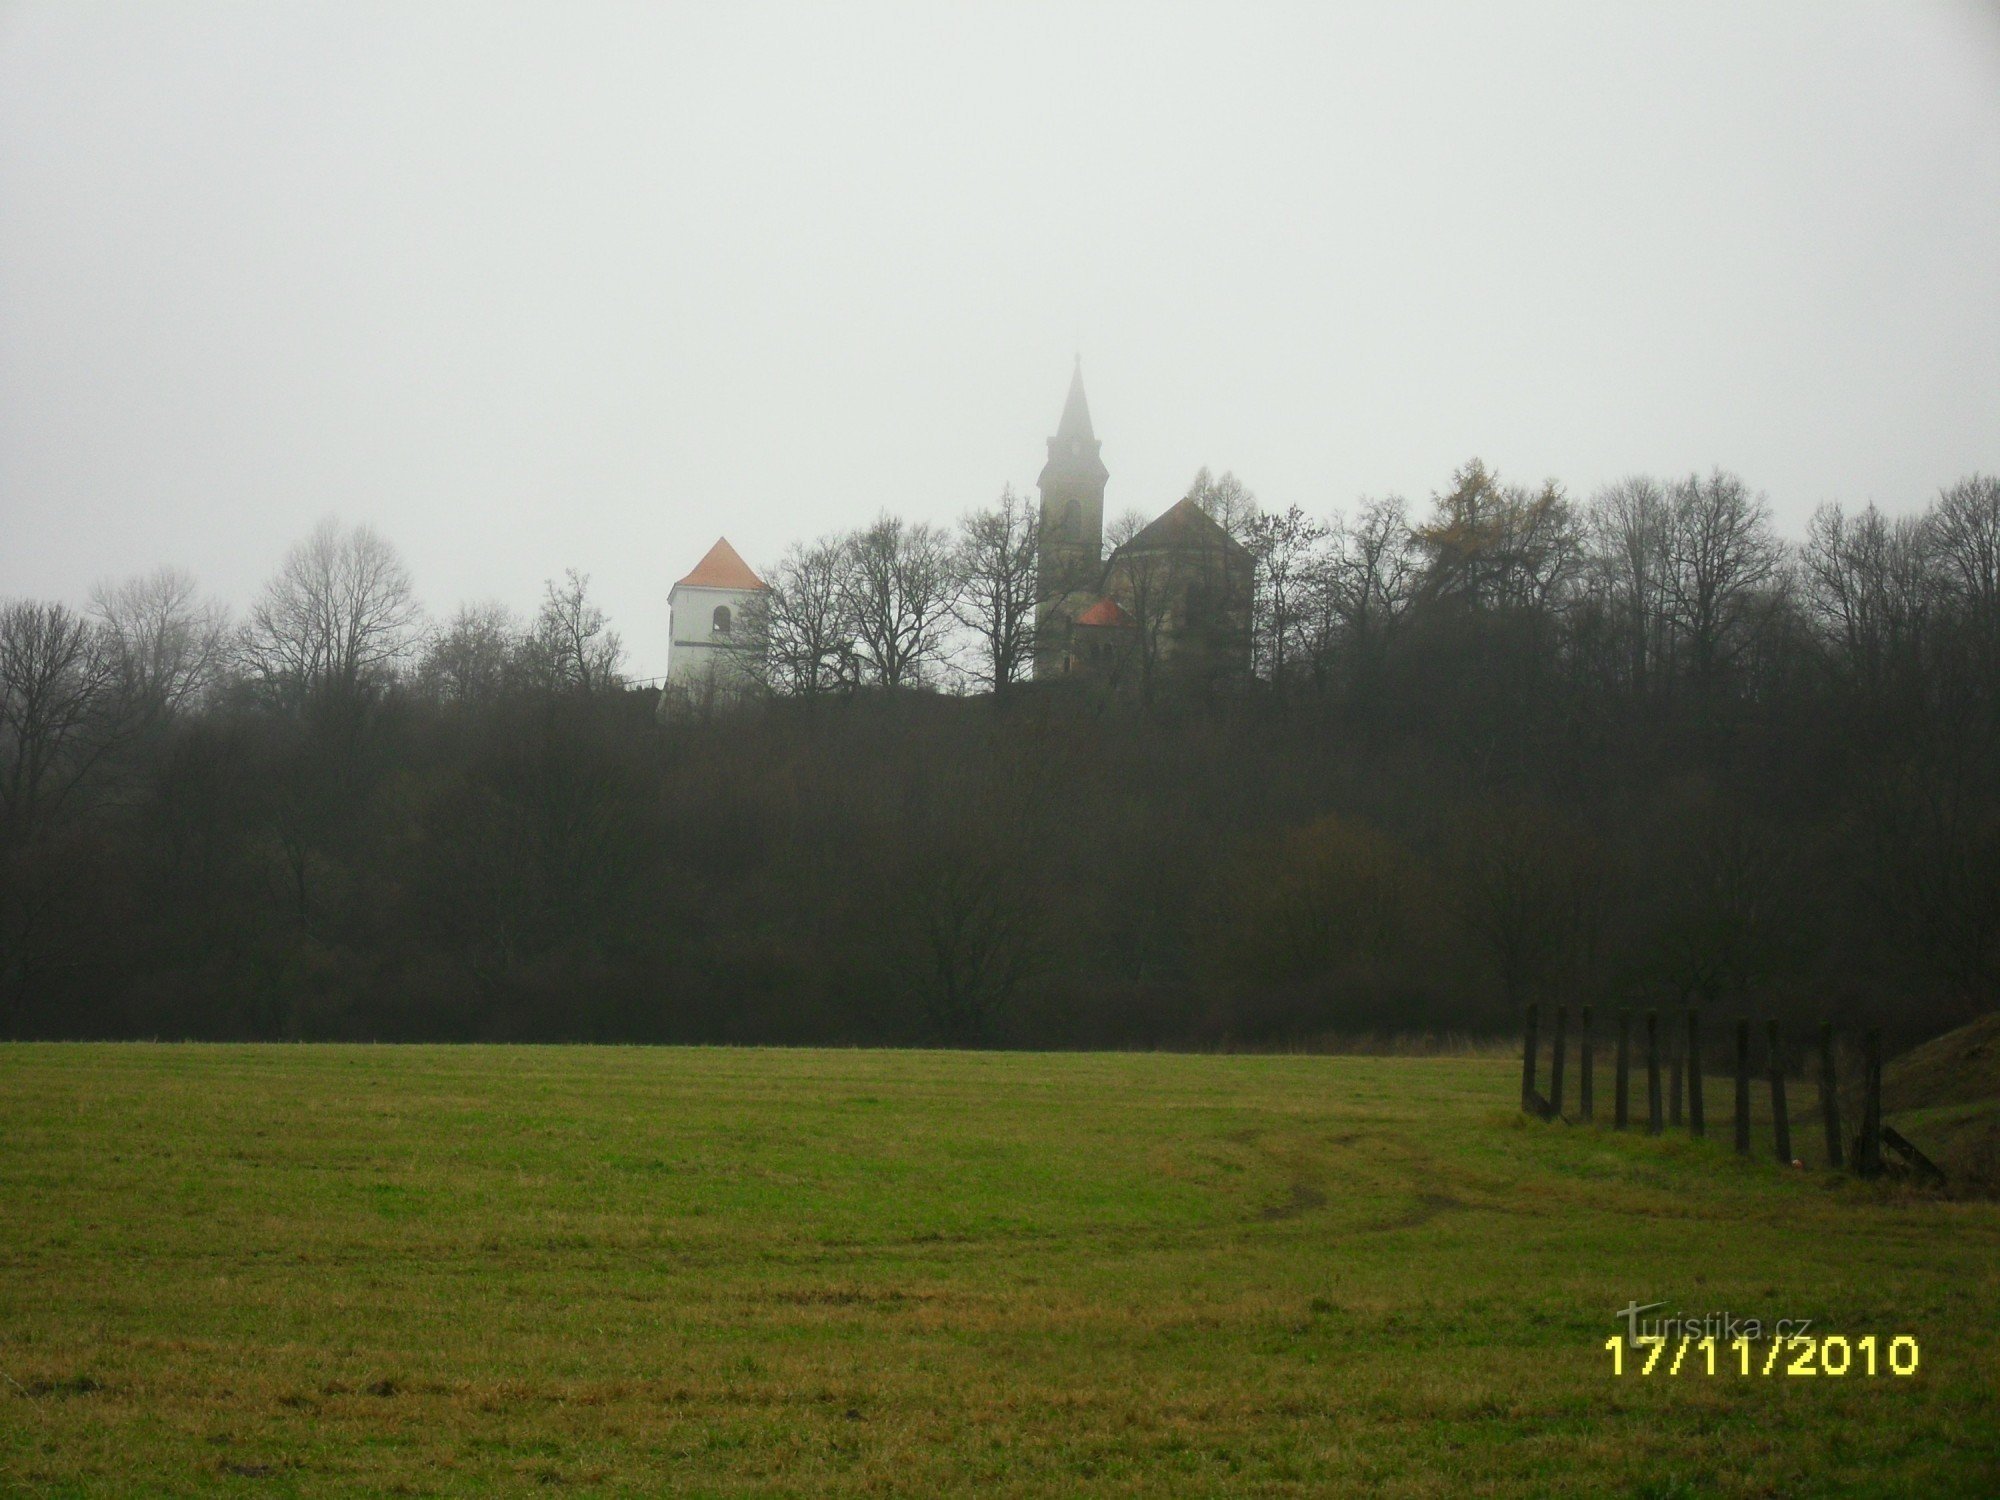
x,y
319,1270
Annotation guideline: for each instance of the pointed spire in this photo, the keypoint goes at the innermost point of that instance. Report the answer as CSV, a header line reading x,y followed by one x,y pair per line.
x,y
1073,451
1075,421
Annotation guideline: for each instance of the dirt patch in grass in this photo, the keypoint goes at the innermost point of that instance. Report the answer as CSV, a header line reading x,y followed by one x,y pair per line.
x,y
1303,1200
1427,1207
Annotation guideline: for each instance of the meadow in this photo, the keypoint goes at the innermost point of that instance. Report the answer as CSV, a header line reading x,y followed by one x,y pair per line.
x,y
307,1270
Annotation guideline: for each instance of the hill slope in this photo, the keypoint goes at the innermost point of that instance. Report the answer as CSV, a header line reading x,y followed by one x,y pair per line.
x,y
1945,1096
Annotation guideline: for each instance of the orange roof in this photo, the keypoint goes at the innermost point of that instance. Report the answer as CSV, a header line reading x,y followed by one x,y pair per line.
x,y
722,569
1104,612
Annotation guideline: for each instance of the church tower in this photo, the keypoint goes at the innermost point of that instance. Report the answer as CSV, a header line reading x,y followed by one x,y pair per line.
x,y
1071,560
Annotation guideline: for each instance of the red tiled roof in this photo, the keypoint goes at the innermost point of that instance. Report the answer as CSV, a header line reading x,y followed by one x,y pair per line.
x,y
722,569
1104,612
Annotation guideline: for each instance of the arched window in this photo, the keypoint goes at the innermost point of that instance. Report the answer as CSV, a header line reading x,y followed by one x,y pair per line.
x,y
1194,611
720,624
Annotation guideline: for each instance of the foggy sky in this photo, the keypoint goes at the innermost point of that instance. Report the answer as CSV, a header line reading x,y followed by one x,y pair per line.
x,y
537,287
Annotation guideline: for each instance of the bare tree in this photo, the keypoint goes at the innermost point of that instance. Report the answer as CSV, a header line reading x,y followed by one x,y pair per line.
x,y
1721,556
1000,586
1286,547
1628,534
572,646
1965,531
168,643
468,659
335,622
976,920
1866,587
1720,915
897,589
58,681
808,639
1533,892
1364,587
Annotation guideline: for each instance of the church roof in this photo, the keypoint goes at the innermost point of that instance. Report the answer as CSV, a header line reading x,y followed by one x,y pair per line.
x,y
1075,421
1074,450
722,569
1105,612
1185,525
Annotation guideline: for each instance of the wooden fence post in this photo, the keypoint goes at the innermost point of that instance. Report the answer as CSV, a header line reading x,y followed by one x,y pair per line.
x,y
1829,1098
1742,1085
1586,1049
1528,1046
1652,1072
1556,1061
1674,1065
1781,1124
1868,1150
1622,1088
1696,1124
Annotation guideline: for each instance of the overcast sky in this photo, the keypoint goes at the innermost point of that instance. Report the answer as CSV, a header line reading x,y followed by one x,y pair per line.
x,y
571,285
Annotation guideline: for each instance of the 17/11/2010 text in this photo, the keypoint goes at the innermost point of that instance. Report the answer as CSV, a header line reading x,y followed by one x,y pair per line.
x,y
1796,1355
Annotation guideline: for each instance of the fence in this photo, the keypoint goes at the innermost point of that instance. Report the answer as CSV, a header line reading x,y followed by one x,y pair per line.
x,y
1685,1088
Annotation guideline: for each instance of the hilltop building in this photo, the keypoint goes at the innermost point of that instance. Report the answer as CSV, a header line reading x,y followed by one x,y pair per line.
x,y
712,639
1172,600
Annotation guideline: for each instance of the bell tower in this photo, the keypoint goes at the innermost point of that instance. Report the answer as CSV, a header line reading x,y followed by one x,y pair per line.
x,y
1070,562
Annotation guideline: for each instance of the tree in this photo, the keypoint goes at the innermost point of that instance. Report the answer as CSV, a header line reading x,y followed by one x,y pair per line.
x,y
469,659
1286,549
1866,589
1965,533
1719,918
1227,501
999,586
168,644
1500,547
1332,897
808,638
1364,586
573,648
58,720
1534,893
58,676
335,623
897,589
1628,534
977,925
1720,557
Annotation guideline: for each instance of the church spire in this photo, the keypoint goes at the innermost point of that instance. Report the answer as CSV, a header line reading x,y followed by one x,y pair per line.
x,y
1073,451
1075,423
1069,559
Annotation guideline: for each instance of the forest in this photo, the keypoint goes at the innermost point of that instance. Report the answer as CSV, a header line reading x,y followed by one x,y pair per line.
x,y
1626,750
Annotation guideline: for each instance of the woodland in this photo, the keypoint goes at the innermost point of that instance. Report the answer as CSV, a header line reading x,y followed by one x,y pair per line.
x,y
1511,745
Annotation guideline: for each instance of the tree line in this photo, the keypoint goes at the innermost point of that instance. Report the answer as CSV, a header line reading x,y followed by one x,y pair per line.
x,y
1638,748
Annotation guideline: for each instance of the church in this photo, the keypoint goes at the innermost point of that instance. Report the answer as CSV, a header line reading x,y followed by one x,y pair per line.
x,y
1173,600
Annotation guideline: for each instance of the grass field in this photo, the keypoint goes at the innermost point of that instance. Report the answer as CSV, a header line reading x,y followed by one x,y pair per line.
x,y
318,1270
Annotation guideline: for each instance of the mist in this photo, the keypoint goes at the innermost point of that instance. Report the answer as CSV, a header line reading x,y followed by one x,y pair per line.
x,y
530,288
